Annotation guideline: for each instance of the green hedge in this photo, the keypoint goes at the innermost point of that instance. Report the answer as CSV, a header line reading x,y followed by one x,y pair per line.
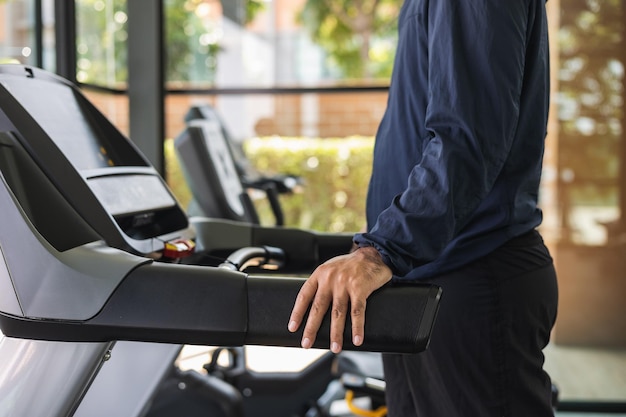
x,y
336,172
174,175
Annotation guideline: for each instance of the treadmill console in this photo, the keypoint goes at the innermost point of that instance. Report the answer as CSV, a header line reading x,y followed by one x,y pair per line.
x,y
99,171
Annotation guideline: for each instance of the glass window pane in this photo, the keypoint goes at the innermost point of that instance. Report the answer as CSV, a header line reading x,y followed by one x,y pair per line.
x,y
17,34
113,106
101,52
278,43
48,35
324,139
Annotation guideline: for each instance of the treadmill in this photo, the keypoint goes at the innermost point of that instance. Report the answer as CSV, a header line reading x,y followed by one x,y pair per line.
x,y
206,145
99,265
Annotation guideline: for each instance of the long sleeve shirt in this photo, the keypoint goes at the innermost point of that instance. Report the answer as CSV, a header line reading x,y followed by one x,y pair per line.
x,y
458,154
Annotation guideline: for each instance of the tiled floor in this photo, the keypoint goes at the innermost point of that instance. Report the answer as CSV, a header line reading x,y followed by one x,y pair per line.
x,y
583,373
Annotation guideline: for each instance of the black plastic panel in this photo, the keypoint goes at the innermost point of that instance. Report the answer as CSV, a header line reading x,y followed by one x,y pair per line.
x,y
302,248
180,304
45,207
157,303
210,306
397,318
204,175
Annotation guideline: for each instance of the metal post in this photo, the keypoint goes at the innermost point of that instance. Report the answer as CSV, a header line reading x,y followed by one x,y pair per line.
x,y
65,33
146,78
38,30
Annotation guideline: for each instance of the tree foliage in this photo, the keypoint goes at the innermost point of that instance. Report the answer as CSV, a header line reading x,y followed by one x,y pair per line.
x,y
358,35
253,8
192,40
192,43
101,41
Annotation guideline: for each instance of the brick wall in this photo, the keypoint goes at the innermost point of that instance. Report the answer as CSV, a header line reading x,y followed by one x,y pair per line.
x,y
315,115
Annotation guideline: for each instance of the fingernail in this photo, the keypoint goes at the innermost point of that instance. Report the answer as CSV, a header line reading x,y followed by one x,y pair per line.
x,y
292,326
357,340
306,343
335,348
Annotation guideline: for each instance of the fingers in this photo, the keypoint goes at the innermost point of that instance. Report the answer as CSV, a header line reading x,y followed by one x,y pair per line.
x,y
340,306
357,315
338,323
319,307
322,302
342,285
303,300
321,298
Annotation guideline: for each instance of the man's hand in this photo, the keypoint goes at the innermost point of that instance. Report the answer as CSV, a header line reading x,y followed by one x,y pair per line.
x,y
339,283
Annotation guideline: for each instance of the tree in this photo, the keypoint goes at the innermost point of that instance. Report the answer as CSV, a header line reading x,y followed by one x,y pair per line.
x,y
358,35
191,40
192,43
101,41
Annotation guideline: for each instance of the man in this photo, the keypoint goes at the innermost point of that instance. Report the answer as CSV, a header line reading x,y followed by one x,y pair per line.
x,y
453,201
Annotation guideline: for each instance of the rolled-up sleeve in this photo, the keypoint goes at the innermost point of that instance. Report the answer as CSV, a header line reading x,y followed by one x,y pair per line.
x,y
476,56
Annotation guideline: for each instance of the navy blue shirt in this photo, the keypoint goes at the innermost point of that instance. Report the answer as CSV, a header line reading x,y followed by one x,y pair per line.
x,y
458,154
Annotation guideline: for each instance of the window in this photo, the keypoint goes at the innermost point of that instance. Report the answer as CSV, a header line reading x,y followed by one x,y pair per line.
x,y
278,43
101,53
17,42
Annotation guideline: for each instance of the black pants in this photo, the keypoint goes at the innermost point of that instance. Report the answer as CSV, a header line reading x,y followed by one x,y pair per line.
x,y
485,355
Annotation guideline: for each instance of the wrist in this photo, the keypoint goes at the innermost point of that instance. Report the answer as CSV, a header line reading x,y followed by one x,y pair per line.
x,y
370,253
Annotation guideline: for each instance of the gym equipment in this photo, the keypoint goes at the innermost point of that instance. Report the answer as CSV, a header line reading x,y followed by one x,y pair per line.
x,y
97,255
206,144
249,175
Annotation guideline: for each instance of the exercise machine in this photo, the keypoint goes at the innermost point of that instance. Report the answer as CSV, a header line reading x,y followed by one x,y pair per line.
x,y
103,276
249,175
206,145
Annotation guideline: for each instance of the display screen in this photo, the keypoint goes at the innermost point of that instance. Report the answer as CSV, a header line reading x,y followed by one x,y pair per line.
x,y
127,194
57,110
